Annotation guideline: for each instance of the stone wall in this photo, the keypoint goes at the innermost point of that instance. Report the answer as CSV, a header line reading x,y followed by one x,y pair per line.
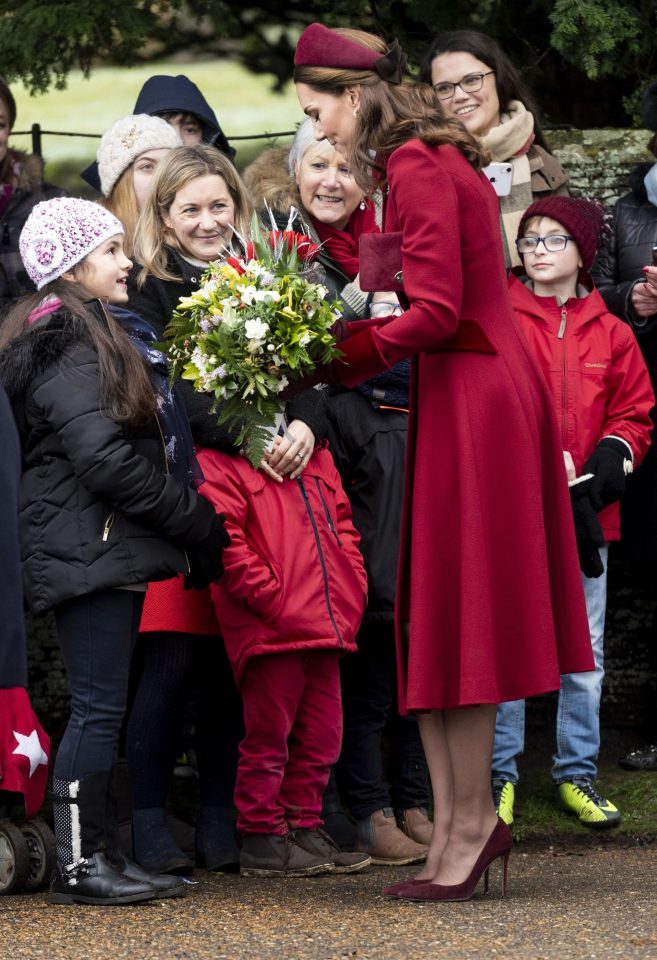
x,y
599,162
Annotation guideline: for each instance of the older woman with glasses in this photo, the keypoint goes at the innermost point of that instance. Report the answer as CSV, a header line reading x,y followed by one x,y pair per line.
x,y
477,83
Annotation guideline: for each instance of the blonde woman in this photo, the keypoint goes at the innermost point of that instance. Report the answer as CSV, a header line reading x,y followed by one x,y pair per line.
x,y
196,208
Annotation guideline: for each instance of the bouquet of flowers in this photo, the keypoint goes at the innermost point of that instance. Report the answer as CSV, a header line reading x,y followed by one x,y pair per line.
x,y
256,323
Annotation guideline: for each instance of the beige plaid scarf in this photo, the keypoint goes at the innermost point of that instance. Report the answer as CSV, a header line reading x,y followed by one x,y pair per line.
x,y
508,143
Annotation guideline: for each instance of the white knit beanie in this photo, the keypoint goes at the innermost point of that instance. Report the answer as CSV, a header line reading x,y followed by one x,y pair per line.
x,y
126,140
59,233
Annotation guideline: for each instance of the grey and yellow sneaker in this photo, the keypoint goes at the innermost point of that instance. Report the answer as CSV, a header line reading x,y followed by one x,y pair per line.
x,y
504,795
579,797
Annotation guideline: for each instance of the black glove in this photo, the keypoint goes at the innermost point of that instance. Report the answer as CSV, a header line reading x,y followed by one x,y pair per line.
x,y
587,530
608,465
205,564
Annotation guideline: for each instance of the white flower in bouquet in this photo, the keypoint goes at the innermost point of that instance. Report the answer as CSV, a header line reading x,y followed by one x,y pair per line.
x,y
256,329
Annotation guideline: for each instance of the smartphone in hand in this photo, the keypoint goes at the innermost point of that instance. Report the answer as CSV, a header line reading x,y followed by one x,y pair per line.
x,y
501,177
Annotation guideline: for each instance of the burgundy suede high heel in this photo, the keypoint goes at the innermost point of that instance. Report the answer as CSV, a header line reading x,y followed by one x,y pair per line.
x,y
498,845
394,888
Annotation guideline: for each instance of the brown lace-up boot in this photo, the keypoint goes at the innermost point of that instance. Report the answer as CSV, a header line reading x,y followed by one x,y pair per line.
x,y
416,824
380,837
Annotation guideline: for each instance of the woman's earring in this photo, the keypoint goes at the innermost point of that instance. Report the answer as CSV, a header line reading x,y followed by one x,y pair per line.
x,y
355,113
362,204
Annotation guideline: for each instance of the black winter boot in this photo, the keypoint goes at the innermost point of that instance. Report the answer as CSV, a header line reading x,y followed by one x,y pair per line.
x,y
83,874
216,844
153,846
164,884
337,822
270,855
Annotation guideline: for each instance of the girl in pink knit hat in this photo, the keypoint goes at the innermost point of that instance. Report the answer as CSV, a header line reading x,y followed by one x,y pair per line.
x,y
107,503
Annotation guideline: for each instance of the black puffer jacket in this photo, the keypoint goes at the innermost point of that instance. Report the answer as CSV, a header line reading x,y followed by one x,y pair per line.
x,y
30,190
618,267
13,662
155,302
97,508
620,260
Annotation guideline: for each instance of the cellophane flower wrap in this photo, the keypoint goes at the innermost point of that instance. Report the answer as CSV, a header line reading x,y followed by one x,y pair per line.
x,y
256,323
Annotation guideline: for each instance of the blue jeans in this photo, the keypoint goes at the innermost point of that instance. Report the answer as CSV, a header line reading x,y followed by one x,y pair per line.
x,y
578,710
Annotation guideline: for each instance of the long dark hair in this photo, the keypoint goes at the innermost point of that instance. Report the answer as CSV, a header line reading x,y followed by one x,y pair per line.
x,y
508,83
7,98
126,390
389,114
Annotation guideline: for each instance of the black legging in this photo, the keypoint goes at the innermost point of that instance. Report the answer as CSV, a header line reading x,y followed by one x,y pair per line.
x,y
96,633
369,702
173,666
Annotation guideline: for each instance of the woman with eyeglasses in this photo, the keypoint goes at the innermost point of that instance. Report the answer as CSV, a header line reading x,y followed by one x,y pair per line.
x,y
476,82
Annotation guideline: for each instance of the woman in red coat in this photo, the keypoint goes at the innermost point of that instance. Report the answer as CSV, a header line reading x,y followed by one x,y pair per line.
x,y
490,605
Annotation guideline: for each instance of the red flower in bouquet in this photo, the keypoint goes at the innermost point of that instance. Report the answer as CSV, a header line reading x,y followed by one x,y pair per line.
x,y
278,240
235,264
306,248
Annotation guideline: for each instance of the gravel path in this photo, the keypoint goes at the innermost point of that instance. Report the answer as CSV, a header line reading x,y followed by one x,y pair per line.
x,y
599,903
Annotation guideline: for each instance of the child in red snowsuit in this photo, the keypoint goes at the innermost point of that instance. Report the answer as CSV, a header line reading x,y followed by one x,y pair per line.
x,y
289,604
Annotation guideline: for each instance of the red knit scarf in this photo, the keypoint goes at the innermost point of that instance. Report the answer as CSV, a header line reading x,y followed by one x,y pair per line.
x,y
342,245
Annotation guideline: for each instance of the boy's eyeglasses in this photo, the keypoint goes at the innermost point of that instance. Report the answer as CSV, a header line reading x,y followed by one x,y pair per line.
x,y
470,84
555,243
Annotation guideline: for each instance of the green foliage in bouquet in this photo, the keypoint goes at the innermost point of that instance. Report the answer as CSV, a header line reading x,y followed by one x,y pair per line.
x,y
255,324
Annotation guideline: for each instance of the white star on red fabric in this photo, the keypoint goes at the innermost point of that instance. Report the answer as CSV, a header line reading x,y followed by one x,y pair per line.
x,y
31,748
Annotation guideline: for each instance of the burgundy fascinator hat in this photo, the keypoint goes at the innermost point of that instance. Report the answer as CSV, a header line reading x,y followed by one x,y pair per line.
x,y
319,46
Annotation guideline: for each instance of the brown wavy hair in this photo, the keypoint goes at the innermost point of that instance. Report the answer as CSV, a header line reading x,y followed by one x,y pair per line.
x,y
7,98
126,390
389,114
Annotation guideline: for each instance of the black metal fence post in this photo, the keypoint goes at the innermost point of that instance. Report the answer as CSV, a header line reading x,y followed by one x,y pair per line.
x,y
36,139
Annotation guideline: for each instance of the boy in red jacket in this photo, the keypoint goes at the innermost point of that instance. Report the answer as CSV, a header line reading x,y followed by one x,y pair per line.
x,y
602,397
289,604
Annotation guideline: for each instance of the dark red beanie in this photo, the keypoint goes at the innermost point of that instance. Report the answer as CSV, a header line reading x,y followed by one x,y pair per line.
x,y
583,219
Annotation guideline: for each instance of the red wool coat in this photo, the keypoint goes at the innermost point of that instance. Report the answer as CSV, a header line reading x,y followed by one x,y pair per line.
x,y
489,574
293,577
598,378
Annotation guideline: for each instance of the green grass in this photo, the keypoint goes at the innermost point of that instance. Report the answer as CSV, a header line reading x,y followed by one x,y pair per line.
x,y
243,102
539,818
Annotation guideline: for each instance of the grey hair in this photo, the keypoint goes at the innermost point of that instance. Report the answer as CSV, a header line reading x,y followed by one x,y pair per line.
x,y
304,138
